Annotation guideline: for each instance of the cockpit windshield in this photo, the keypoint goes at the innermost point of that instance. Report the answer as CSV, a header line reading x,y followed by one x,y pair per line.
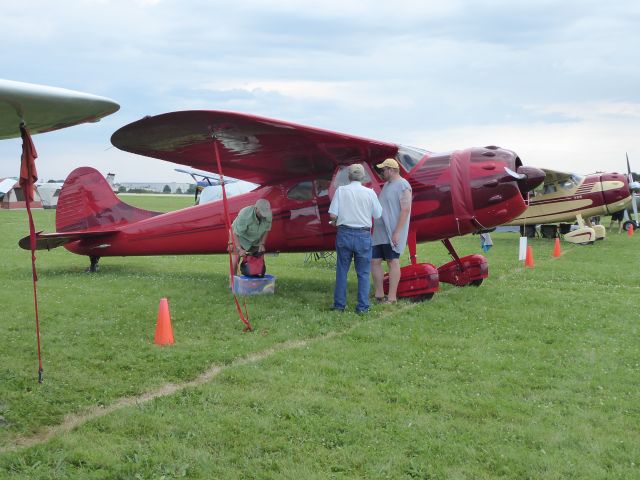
x,y
576,179
410,156
571,182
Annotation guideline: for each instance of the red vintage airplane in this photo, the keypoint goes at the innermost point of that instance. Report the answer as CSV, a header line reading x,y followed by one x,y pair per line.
x,y
298,168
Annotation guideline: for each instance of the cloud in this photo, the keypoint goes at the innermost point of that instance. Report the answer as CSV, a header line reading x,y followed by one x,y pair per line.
x,y
590,111
434,73
581,147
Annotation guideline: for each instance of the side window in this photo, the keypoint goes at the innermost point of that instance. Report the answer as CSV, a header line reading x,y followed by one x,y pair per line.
x,y
301,191
322,186
409,156
550,188
342,177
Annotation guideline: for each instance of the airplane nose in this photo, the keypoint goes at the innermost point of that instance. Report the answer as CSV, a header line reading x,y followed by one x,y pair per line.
x,y
532,178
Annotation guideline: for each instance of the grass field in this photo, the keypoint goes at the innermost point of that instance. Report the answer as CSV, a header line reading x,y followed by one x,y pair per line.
x,y
534,374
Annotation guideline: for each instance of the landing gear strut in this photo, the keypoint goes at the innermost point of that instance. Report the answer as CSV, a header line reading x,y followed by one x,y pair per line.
x,y
418,281
93,268
469,270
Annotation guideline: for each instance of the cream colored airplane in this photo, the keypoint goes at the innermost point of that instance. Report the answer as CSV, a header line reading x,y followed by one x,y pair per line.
x,y
565,198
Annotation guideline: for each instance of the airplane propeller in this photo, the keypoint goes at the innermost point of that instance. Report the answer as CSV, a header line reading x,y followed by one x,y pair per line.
x,y
527,177
634,186
517,176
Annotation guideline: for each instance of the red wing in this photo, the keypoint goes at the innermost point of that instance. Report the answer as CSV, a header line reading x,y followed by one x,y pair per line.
x,y
255,149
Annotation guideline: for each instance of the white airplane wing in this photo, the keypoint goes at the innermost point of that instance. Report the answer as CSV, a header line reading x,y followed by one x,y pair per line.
x,y
43,109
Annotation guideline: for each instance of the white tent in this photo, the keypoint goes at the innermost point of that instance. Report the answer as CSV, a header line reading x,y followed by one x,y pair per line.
x,y
49,193
12,195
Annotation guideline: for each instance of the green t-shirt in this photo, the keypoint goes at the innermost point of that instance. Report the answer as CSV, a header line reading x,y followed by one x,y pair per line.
x,y
248,228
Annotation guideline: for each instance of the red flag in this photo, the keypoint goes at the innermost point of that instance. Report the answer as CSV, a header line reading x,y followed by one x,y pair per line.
x,y
28,172
28,176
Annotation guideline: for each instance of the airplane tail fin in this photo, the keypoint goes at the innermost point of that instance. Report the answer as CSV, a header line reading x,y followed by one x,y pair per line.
x,y
87,203
87,208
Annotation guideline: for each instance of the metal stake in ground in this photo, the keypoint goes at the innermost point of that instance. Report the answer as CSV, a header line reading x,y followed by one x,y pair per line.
x,y
28,176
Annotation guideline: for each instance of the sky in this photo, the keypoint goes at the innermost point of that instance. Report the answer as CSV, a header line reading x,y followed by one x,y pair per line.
x,y
557,81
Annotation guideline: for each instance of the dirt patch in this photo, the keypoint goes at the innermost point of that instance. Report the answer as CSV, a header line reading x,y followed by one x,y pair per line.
x,y
75,420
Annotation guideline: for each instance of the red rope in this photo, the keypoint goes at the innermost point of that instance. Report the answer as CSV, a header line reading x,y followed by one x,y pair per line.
x,y
243,316
28,176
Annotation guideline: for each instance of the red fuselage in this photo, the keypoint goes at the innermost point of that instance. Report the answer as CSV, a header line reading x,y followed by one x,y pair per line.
x,y
453,194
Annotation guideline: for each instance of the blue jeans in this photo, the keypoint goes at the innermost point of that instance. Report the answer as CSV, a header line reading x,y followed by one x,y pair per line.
x,y
356,244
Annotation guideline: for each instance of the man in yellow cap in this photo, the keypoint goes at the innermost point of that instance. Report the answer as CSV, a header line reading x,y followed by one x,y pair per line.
x,y
391,230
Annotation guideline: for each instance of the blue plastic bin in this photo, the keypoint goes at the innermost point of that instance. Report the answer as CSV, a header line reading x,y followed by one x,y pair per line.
x,y
254,286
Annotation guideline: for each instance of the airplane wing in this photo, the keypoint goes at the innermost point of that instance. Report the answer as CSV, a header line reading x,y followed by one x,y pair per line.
x,y
205,175
198,173
252,148
44,108
554,176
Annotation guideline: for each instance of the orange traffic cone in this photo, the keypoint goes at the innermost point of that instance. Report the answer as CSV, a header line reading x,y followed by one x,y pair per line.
x,y
630,231
164,332
529,261
556,249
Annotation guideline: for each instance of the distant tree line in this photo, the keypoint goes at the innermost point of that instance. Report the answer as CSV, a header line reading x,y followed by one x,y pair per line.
x,y
165,189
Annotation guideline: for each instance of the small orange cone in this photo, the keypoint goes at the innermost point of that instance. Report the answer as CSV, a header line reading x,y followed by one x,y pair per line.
x,y
529,261
556,249
630,231
164,332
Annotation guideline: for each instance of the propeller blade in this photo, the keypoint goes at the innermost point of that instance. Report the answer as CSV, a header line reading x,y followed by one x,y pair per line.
x,y
633,185
635,207
517,176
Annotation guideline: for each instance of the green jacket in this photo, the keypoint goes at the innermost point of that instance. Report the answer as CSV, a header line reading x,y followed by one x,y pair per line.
x,y
248,228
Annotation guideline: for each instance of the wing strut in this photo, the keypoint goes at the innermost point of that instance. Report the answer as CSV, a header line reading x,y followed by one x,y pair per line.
x,y
28,176
243,316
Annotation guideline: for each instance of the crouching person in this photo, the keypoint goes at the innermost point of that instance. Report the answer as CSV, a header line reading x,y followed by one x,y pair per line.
x,y
249,231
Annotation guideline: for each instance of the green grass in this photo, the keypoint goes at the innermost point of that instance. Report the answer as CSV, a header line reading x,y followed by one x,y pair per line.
x,y
159,203
532,375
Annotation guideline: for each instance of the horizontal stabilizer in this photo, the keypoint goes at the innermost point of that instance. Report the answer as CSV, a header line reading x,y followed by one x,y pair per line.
x,y
48,241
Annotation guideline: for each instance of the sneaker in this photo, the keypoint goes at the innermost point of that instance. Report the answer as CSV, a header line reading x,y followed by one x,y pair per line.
x,y
333,308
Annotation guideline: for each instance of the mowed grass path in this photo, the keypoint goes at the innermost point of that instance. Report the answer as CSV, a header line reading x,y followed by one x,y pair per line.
x,y
532,375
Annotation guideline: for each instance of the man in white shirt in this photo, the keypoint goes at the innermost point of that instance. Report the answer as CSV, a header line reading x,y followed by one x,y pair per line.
x,y
352,209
